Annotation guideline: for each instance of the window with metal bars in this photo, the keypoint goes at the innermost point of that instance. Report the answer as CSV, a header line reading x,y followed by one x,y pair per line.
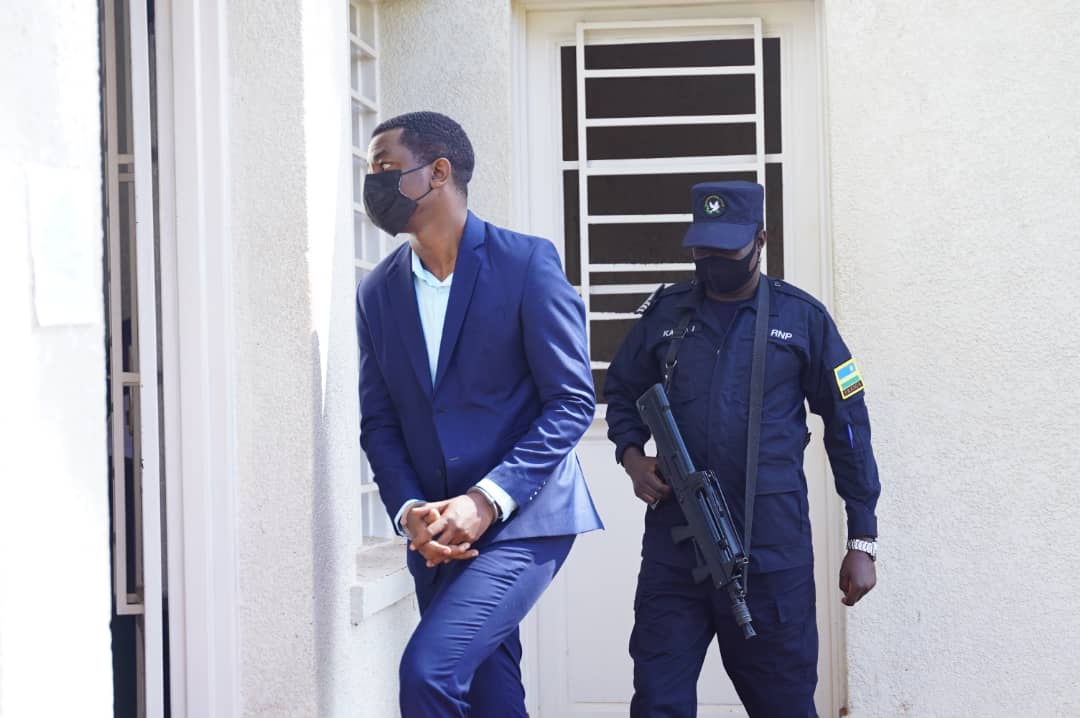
x,y
370,244
642,122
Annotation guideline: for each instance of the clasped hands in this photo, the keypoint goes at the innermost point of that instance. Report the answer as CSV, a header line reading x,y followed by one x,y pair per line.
x,y
445,531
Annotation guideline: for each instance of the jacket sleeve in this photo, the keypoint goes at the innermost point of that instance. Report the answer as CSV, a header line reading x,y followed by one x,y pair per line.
x,y
553,327
847,425
632,371
380,429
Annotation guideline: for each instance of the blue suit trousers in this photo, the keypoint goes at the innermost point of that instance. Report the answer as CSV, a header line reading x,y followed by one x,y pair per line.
x,y
675,620
464,657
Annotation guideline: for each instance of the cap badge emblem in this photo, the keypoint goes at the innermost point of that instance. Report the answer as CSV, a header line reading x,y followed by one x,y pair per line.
x,y
714,205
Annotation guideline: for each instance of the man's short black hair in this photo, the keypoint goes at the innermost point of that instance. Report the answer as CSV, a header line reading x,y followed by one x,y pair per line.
x,y
429,136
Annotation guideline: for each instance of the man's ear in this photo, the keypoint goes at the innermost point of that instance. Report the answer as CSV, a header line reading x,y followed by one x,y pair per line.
x,y
441,172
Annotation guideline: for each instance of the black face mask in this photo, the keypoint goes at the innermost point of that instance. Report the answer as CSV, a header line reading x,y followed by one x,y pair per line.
x,y
720,275
387,207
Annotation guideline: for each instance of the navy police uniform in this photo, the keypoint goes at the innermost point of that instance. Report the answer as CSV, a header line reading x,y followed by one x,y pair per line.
x,y
806,362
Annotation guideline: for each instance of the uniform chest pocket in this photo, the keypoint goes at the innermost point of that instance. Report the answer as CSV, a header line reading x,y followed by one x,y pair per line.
x,y
696,360
785,357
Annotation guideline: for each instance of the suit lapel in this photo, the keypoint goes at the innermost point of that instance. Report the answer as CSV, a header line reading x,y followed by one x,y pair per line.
x,y
407,316
466,269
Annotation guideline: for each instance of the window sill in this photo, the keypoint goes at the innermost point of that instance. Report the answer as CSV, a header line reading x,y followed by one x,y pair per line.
x,y
382,579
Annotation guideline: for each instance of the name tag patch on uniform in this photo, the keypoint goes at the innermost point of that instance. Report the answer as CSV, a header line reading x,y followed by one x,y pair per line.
x,y
848,379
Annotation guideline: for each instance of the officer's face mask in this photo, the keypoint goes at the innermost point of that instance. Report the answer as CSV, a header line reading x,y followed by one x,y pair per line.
x,y
720,275
385,203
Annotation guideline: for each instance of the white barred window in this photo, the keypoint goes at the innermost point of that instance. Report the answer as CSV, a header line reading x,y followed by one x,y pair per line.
x,y
653,109
370,245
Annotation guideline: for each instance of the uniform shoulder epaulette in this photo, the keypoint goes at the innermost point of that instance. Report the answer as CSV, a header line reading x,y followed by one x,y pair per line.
x,y
792,291
662,291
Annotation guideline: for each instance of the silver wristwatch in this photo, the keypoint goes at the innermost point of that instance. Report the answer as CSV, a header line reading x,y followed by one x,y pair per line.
x,y
867,547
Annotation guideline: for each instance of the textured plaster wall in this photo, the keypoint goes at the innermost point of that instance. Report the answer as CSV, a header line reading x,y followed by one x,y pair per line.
x,y
954,148
298,425
276,379
454,57
54,522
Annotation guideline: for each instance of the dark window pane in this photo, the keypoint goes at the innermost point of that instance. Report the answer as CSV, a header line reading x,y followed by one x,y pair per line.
x,y
682,54
644,96
697,53
132,495
669,276
616,143
618,302
638,243
650,194
571,228
567,65
771,51
774,220
598,377
606,337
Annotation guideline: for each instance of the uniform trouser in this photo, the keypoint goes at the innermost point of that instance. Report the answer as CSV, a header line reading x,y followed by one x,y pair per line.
x,y
464,659
675,620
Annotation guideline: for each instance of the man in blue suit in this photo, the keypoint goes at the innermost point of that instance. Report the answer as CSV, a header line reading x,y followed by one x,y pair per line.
x,y
475,387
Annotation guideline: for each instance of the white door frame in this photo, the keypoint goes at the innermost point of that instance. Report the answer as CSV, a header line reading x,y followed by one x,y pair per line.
x,y
540,26
146,287
198,357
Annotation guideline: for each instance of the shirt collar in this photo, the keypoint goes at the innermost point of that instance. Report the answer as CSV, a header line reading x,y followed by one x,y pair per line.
x,y
694,298
421,272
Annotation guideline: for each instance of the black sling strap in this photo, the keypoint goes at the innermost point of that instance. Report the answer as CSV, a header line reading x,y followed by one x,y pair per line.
x,y
757,395
672,358
757,398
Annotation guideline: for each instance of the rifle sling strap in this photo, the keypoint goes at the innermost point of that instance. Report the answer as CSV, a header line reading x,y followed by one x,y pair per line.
x,y
757,395
672,358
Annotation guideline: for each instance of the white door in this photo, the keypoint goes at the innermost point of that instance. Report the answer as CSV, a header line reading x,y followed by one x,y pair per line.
x,y
668,96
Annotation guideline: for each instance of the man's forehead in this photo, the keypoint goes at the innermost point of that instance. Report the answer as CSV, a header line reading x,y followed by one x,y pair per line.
x,y
385,143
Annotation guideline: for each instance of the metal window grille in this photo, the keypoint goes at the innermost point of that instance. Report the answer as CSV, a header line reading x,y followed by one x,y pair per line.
x,y
628,134
370,244
125,379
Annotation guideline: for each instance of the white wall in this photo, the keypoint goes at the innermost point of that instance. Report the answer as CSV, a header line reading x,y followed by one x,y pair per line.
x,y
276,381
297,420
54,522
454,57
954,151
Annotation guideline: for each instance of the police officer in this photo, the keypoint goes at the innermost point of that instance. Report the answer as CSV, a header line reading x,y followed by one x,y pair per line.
x,y
713,317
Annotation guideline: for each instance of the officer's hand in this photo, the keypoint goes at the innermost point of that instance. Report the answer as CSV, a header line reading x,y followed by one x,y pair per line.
x,y
462,522
418,520
642,470
857,576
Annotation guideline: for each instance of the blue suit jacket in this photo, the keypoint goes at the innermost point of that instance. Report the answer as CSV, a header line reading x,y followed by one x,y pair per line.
x,y
513,390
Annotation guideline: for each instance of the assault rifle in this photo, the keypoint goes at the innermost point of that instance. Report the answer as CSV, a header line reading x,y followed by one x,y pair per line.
x,y
717,547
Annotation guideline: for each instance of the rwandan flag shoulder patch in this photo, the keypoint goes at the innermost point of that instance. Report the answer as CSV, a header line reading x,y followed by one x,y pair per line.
x,y
848,379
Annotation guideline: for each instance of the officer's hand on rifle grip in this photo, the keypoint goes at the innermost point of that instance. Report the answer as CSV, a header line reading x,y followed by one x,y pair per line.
x,y
648,486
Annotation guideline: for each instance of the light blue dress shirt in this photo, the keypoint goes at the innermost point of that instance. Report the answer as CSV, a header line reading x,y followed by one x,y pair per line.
x,y
432,299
